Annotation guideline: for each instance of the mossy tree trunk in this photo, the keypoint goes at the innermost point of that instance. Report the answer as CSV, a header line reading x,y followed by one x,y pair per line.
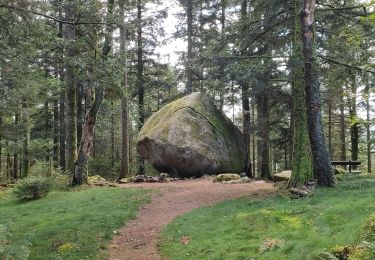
x,y
302,170
321,159
71,88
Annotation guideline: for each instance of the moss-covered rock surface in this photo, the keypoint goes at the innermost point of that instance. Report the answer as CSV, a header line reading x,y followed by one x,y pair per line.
x,y
191,137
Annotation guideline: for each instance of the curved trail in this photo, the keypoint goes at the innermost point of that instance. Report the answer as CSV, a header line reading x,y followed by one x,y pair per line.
x,y
138,240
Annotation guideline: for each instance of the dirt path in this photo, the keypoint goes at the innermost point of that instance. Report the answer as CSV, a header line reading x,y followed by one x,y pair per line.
x,y
138,240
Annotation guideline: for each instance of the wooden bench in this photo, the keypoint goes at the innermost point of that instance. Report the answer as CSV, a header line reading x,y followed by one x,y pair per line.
x,y
347,163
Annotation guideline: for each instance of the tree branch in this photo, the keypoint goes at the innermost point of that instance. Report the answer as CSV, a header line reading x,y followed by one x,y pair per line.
x,y
331,60
48,16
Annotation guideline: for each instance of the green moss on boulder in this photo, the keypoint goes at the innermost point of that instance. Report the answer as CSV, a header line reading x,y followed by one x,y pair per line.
x,y
191,137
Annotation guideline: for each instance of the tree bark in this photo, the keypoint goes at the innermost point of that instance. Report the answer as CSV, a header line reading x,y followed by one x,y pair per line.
x,y
88,131
321,159
55,132
368,124
342,127
1,144
71,88
15,155
189,64
112,137
26,143
79,119
354,125
140,79
47,125
125,100
245,91
302,170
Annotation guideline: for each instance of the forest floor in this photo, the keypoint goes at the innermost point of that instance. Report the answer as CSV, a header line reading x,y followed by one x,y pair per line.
x,y
138,239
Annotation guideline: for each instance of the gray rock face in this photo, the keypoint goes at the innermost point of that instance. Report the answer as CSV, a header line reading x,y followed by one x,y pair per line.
x,y
191,137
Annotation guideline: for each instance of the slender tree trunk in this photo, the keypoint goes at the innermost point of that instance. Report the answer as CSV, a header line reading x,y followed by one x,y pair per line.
x,y
26,143
245,100
254,140
330,125
354,125
342,127
222,65
79,119
15,156
368,125
140,80
125,100
112,136
62,129
321,158
47,126
189,65
1,144
55,132
71,88
88,131
9,163
62,125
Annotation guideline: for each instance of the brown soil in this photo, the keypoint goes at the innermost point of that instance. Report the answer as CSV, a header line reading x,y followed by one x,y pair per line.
x,y
138,240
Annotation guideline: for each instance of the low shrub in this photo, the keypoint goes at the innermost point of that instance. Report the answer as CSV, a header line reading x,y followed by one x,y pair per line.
x,y
32,188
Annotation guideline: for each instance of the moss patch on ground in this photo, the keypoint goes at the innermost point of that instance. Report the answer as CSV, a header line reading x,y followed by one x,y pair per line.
x,y
66,225
277,227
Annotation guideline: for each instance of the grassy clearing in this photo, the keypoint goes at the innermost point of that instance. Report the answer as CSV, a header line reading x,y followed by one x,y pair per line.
x,y
275,227
66,225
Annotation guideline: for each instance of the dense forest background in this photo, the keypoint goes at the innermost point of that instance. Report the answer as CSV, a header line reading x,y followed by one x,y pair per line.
x,y
67,66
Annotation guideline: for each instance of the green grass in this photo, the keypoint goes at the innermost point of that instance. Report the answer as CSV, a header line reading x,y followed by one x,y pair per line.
x,y
298,229
67,225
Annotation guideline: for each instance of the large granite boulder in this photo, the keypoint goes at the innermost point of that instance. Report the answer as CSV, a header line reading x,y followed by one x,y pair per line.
x,y
191,137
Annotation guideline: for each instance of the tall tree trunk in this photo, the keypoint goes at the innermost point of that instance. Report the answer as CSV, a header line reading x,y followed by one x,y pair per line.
x,y
254,140
62,125
125,100
80,95
140,79
1,144
342,127
264,134
112,137
222,65
9,163
71,88
88,131
55,131
189,65
245,100
354,125
321,158
302,170
62,130
47,126
26,143
330,124
15,156
368,125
